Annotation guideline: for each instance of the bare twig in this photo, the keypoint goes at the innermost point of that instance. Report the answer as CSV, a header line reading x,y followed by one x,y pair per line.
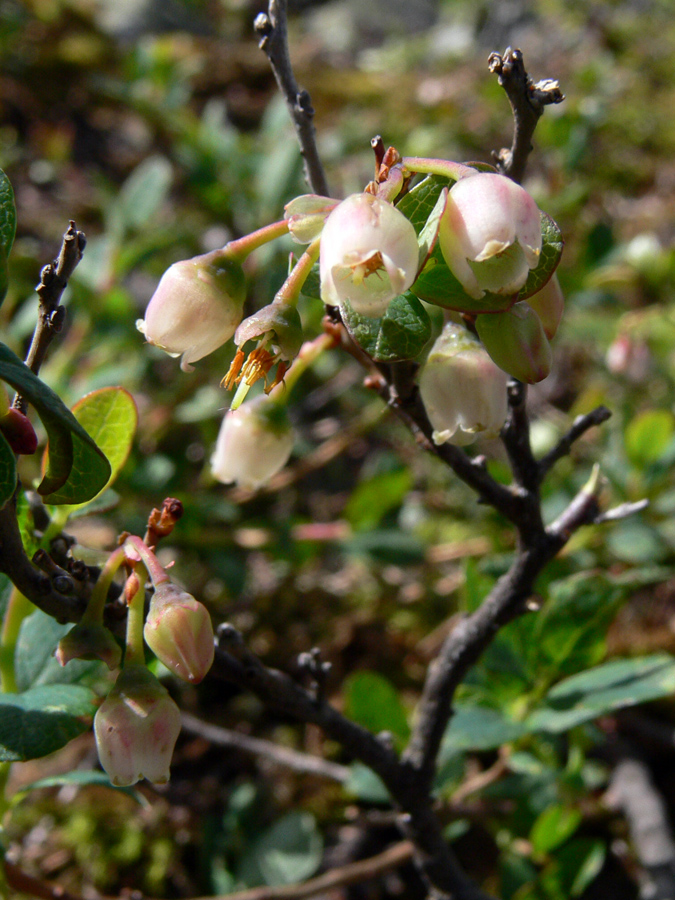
x,y
271,27
26,884
53,281
341,877
528,101
282,756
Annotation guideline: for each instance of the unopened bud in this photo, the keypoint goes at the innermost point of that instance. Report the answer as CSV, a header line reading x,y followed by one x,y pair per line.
x,y
549,305
306,216
179,632
516,342
18,431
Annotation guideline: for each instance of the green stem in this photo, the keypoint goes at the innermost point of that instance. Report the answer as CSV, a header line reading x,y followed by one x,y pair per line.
x,y
241,248
18,608
153,566
135,653
93,614
289,292
443,167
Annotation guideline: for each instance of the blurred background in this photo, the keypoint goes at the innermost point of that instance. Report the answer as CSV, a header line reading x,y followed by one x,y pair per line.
x,y
156,126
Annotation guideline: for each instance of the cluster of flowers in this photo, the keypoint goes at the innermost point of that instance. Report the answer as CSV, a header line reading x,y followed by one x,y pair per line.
x,y
138,723
489,231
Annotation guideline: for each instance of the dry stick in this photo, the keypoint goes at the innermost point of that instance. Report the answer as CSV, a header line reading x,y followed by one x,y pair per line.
x,y
53,281
23,883
345,875
282,756
272,29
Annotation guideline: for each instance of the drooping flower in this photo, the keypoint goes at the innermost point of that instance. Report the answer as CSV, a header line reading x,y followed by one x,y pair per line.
x,y
490,234
517,342
254,443
179,632
136,728
369,255
196,307
463,391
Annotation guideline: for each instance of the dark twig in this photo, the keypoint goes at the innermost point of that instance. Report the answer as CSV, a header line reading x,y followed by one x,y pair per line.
x,y
528,101
271,27
28,885
53,281
282,756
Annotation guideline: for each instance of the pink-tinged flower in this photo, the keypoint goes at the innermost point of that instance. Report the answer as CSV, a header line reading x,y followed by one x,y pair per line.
x,y
179,632
196,307
490,234
516,341
136,729
463,391
88,640
549,305
369,255
253,444
306,216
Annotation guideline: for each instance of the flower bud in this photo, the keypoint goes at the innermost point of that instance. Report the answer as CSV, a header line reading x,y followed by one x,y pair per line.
x,y
136,729
178,630
463,391
196,307
253,444
306,216
369,255
89,641
516,342
549,305
18,431
490,234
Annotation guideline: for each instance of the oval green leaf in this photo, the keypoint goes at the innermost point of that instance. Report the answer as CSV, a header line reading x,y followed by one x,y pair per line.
x,y
401,333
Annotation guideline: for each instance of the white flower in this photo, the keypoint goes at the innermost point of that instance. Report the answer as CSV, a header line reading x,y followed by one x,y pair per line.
x,y
490,234
463,391
196,307
369,255
136,729
253,444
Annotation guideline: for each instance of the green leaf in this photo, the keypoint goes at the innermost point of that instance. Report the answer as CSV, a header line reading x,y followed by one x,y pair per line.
x,y
364,784
34,661
142,194
419,203
7,229
648,435
401,333
7,470
76,469
573,868
372,499
288,852
82,778
551,250
602,689
553,827
373,702
109,416
42,720
478,728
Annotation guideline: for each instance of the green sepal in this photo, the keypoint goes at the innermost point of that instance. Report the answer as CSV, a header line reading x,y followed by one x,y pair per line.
x,y
76,469
401,333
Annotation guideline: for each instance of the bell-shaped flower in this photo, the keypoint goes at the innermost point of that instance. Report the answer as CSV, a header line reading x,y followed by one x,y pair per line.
x,y
196,307
490,234
254,443
517,342
463,391
369,255
179,632
136,728
89,640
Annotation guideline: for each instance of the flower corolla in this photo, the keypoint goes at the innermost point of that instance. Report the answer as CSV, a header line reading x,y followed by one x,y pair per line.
x,y
196,307
463,391
369,255
254,443
179,632
490,234
136,728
